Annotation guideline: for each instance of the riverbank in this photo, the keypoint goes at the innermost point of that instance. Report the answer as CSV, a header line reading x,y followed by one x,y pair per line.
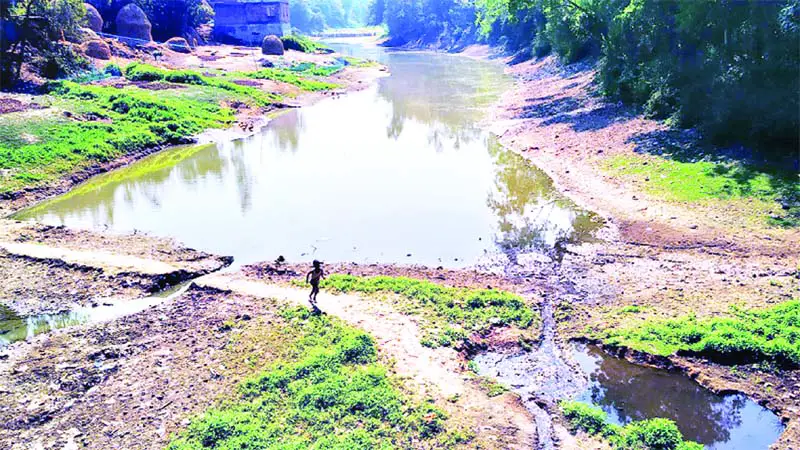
x,y
699,236
216,93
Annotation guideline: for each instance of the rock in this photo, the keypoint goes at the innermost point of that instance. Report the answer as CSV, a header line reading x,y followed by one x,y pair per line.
x,y
87,35
97,49
266,63
93,18
272,45
133,23
178,44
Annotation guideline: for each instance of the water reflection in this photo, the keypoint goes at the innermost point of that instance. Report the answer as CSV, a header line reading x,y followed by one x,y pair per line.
x,y
398,172
629,392
532,215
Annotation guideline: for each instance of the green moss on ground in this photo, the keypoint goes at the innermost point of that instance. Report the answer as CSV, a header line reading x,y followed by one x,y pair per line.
x,y
327,392
708,181
770,335
287,76
449,314
650,434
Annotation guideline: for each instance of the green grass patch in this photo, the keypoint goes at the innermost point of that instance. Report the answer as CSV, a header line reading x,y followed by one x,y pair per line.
x,y
492,387
450,314
145,72
703,180
112,122
359,62
317,70
287,76
331,393
650,434
746,336
303,44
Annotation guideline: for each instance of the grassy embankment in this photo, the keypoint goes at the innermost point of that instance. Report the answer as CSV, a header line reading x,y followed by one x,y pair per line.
x,y
650,434
758,191
323,388
85,124
448,315
770,336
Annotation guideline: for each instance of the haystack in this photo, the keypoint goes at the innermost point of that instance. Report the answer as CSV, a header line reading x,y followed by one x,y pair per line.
x,y
97,49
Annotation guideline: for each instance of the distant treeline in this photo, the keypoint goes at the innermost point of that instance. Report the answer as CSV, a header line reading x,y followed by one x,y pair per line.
x,y
311,16
731,67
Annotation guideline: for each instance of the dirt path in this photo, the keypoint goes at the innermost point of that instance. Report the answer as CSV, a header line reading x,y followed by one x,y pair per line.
x,y
435,373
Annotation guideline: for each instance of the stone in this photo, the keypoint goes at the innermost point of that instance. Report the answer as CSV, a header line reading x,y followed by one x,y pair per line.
x,y
87,35
178,44
97,49
93,18
133,23
272,45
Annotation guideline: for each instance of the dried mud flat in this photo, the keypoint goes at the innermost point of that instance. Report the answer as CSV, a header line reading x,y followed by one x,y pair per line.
x,y
53,269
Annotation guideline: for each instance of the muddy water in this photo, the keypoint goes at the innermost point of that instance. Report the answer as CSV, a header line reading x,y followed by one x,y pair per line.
x,y
397,173
629,392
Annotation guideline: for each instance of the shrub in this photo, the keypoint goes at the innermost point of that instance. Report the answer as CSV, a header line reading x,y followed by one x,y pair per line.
x,y
302,44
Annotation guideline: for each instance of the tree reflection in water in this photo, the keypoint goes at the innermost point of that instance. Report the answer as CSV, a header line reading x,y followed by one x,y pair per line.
x,y
532,215
628,392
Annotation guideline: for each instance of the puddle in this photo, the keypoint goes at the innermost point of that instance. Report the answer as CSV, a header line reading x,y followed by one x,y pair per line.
x,y
15,328
628,392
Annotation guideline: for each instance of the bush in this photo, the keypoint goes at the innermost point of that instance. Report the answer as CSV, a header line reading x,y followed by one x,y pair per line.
x,y
302,44
650,434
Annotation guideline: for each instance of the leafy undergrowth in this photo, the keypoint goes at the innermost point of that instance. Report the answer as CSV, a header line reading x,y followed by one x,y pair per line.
x,y
450,314
105,123
650,434
769,335
303,44
287,76
330,393
700,181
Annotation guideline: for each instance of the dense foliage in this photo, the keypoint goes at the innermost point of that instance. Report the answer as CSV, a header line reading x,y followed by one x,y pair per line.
x,y
333,395
651,434
730,67
316,15
451,314
168,18
35,32
302,44
771,335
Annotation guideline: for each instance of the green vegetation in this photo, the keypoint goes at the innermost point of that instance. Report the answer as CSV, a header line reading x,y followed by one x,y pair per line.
x,y
771,335
112,123
329,393
302,43
697,181
651,434
451,314
728,67
145,72
286,76
309,68
492,387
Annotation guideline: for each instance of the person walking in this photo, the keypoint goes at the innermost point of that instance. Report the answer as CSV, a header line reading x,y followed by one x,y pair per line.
x,y
313,277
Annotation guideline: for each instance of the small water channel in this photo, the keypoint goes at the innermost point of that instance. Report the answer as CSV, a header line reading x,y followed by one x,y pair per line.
x,y
14,327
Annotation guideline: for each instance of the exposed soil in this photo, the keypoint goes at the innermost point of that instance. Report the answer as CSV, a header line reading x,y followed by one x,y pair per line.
x,y
9,105
34,285
126,384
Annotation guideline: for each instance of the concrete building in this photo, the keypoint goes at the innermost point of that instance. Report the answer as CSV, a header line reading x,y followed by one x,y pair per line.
x,y
248,21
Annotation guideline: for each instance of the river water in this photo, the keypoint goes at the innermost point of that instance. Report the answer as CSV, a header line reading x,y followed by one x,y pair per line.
x,y
397,173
